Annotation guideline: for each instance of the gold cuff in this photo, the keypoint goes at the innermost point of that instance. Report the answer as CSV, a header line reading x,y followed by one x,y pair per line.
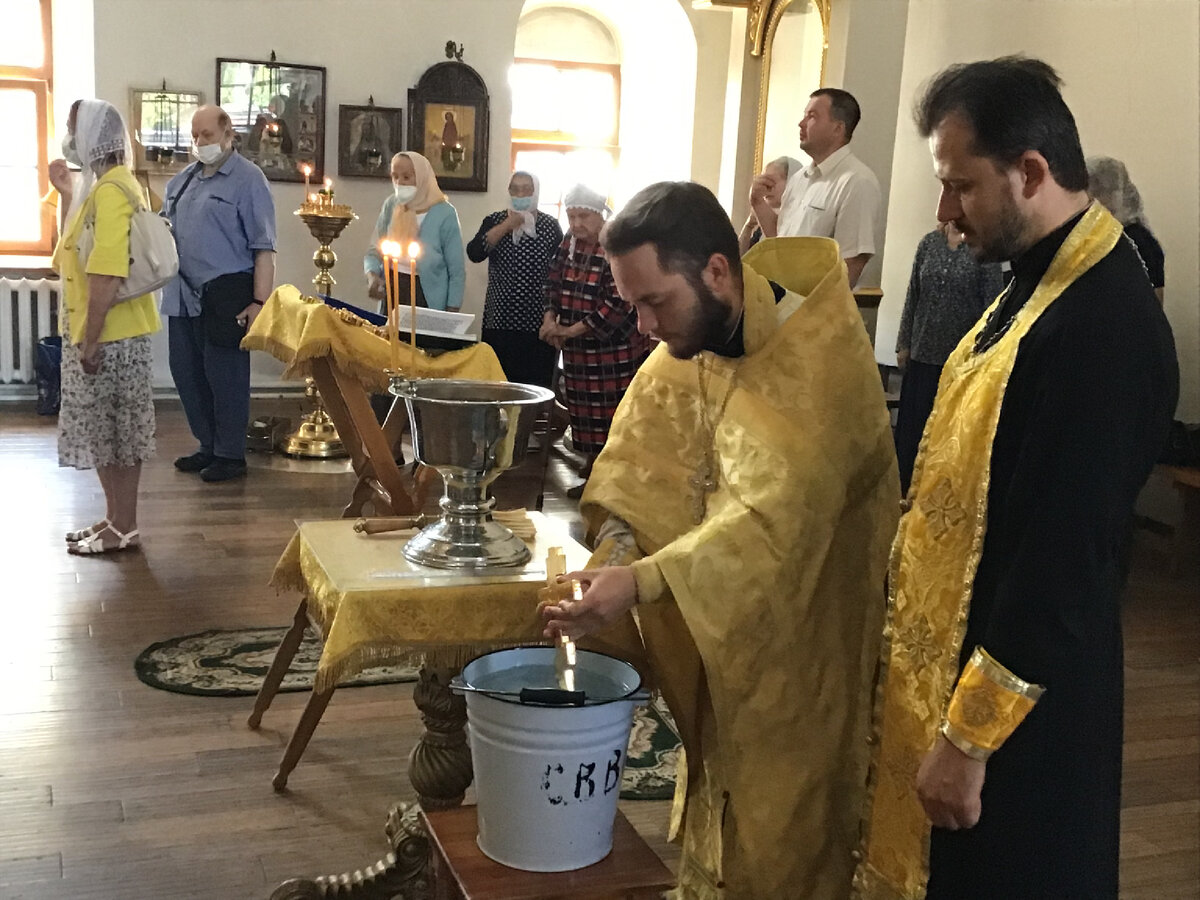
x,y
987,706
651,584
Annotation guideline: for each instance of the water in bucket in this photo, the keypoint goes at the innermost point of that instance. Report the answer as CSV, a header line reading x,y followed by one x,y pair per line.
x,y
547,778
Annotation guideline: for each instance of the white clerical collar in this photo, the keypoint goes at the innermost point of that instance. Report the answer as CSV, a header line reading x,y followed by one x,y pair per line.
x,y
829,163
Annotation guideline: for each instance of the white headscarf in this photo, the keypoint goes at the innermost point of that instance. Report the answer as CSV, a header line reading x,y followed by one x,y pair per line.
x,y
1109,182
789,164
528,227
99,133
580,196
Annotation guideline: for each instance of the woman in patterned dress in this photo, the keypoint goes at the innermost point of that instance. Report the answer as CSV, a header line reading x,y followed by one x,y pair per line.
x,y
518,244
595,328
106,420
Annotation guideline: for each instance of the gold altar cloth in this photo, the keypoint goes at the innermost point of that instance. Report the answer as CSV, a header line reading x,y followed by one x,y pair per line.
x,y
297,329
373,607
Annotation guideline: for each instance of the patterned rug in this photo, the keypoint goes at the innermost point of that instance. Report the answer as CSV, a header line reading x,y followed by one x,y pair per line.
x,y
234,663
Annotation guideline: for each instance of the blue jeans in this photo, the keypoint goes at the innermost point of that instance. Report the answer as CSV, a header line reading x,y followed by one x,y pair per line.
x,y
214,386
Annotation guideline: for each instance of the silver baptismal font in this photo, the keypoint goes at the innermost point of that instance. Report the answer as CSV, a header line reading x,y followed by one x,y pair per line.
x,y
470,431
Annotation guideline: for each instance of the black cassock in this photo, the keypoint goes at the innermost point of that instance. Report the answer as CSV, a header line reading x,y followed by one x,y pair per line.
x,y
1085,415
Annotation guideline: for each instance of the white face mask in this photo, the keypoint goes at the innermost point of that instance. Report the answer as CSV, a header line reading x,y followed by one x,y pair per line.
x,y
405,192
70,153
207,153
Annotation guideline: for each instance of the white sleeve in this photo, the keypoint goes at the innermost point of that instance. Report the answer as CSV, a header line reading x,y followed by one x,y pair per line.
x,y
856,217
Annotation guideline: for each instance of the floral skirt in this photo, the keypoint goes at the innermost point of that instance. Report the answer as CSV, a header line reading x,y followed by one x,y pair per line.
x,y
107,419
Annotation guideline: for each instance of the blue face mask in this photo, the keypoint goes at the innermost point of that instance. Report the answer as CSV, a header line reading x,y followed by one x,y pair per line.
x,y
521,204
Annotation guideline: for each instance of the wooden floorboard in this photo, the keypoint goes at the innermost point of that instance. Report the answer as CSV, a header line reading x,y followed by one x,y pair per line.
x,y
111,789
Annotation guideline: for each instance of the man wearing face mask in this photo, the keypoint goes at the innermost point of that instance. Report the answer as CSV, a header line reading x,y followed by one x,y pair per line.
x,y
224,220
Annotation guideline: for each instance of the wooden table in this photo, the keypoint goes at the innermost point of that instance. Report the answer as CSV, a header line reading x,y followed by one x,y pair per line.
x,y
372,607
462,872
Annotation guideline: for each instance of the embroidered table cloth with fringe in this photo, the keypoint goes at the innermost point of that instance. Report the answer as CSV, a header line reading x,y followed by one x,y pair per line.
x,y
373,607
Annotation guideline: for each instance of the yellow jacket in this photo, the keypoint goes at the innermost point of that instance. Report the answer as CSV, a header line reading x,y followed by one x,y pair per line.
x,y
110,256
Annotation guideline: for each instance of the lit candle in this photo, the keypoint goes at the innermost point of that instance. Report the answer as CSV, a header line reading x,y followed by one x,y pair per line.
x,y
391,253
414,250
312,199
307,170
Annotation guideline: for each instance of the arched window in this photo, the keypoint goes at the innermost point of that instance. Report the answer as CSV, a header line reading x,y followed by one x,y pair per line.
x,y
566,111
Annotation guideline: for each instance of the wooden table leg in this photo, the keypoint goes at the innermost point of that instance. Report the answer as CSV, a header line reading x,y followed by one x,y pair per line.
x,y
439,766
403,874
280,664
317,702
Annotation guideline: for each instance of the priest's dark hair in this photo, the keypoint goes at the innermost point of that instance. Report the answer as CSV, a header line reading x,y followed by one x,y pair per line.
x,y
1012,104
843,107
685,223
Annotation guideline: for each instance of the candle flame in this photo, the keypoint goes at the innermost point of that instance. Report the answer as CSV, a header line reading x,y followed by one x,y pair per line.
x,y
306,169
414,250
312,198
328,183
391,249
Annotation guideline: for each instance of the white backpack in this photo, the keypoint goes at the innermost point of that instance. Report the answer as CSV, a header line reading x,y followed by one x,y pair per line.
x,y
153,257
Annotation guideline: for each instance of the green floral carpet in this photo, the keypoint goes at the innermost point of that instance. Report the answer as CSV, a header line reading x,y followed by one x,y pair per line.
x,y
234,663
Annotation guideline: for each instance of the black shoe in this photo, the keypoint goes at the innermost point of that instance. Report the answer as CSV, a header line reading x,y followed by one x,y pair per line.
x,y
224,469
194,463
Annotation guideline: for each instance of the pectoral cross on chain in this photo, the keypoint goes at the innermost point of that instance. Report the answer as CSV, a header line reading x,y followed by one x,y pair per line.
x,y
703,483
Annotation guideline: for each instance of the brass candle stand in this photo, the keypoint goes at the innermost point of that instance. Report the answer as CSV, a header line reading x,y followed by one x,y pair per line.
x,y
317,436
325,220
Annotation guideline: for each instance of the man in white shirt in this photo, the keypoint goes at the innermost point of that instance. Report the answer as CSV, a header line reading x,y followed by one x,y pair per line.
x,y
836,195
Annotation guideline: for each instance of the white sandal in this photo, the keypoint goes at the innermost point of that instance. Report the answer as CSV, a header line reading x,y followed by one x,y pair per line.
x,y
74,537
92,546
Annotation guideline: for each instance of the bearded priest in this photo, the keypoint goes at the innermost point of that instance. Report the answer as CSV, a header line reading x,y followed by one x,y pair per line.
x,y
744,503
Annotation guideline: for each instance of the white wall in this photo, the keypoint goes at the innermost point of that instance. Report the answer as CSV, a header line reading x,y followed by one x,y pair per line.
x,y
369,47
795,73
866,57
1132,73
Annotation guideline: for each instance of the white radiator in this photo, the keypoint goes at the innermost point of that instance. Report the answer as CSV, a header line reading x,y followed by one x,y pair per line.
x,y
28,312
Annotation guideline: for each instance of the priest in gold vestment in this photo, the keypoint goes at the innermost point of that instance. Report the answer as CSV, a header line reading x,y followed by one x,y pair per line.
x,y
744,503
997,760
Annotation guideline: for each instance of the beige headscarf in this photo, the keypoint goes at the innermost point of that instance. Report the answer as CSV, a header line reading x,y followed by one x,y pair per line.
x,y
404,227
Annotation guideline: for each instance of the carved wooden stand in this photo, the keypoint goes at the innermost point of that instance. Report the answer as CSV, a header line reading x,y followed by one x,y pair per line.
x,y
439,768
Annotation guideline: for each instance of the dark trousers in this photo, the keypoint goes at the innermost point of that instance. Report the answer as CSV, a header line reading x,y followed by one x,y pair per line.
x,y
917,393
214,386
525,358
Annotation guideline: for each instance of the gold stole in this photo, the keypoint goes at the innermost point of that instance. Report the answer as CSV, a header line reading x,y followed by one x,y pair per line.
x,y
932,572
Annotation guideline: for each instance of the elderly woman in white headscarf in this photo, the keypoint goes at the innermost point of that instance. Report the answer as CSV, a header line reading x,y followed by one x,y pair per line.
x,y
595,328
106,420
1109,182
767,190
418,211
518,243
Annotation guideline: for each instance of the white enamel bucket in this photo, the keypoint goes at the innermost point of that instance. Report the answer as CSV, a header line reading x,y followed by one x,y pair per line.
x,y
547,776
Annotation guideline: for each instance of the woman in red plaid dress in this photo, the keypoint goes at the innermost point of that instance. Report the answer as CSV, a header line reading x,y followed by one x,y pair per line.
x,y
594,327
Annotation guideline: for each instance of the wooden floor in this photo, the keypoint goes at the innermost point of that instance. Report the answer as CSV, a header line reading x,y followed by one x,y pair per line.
x,y
111,789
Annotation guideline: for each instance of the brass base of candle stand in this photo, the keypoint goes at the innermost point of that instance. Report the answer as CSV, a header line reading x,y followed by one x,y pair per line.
x,y
317,437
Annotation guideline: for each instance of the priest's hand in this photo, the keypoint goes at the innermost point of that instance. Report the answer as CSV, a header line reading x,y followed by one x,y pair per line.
x,y
608,594
376,289
948,785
